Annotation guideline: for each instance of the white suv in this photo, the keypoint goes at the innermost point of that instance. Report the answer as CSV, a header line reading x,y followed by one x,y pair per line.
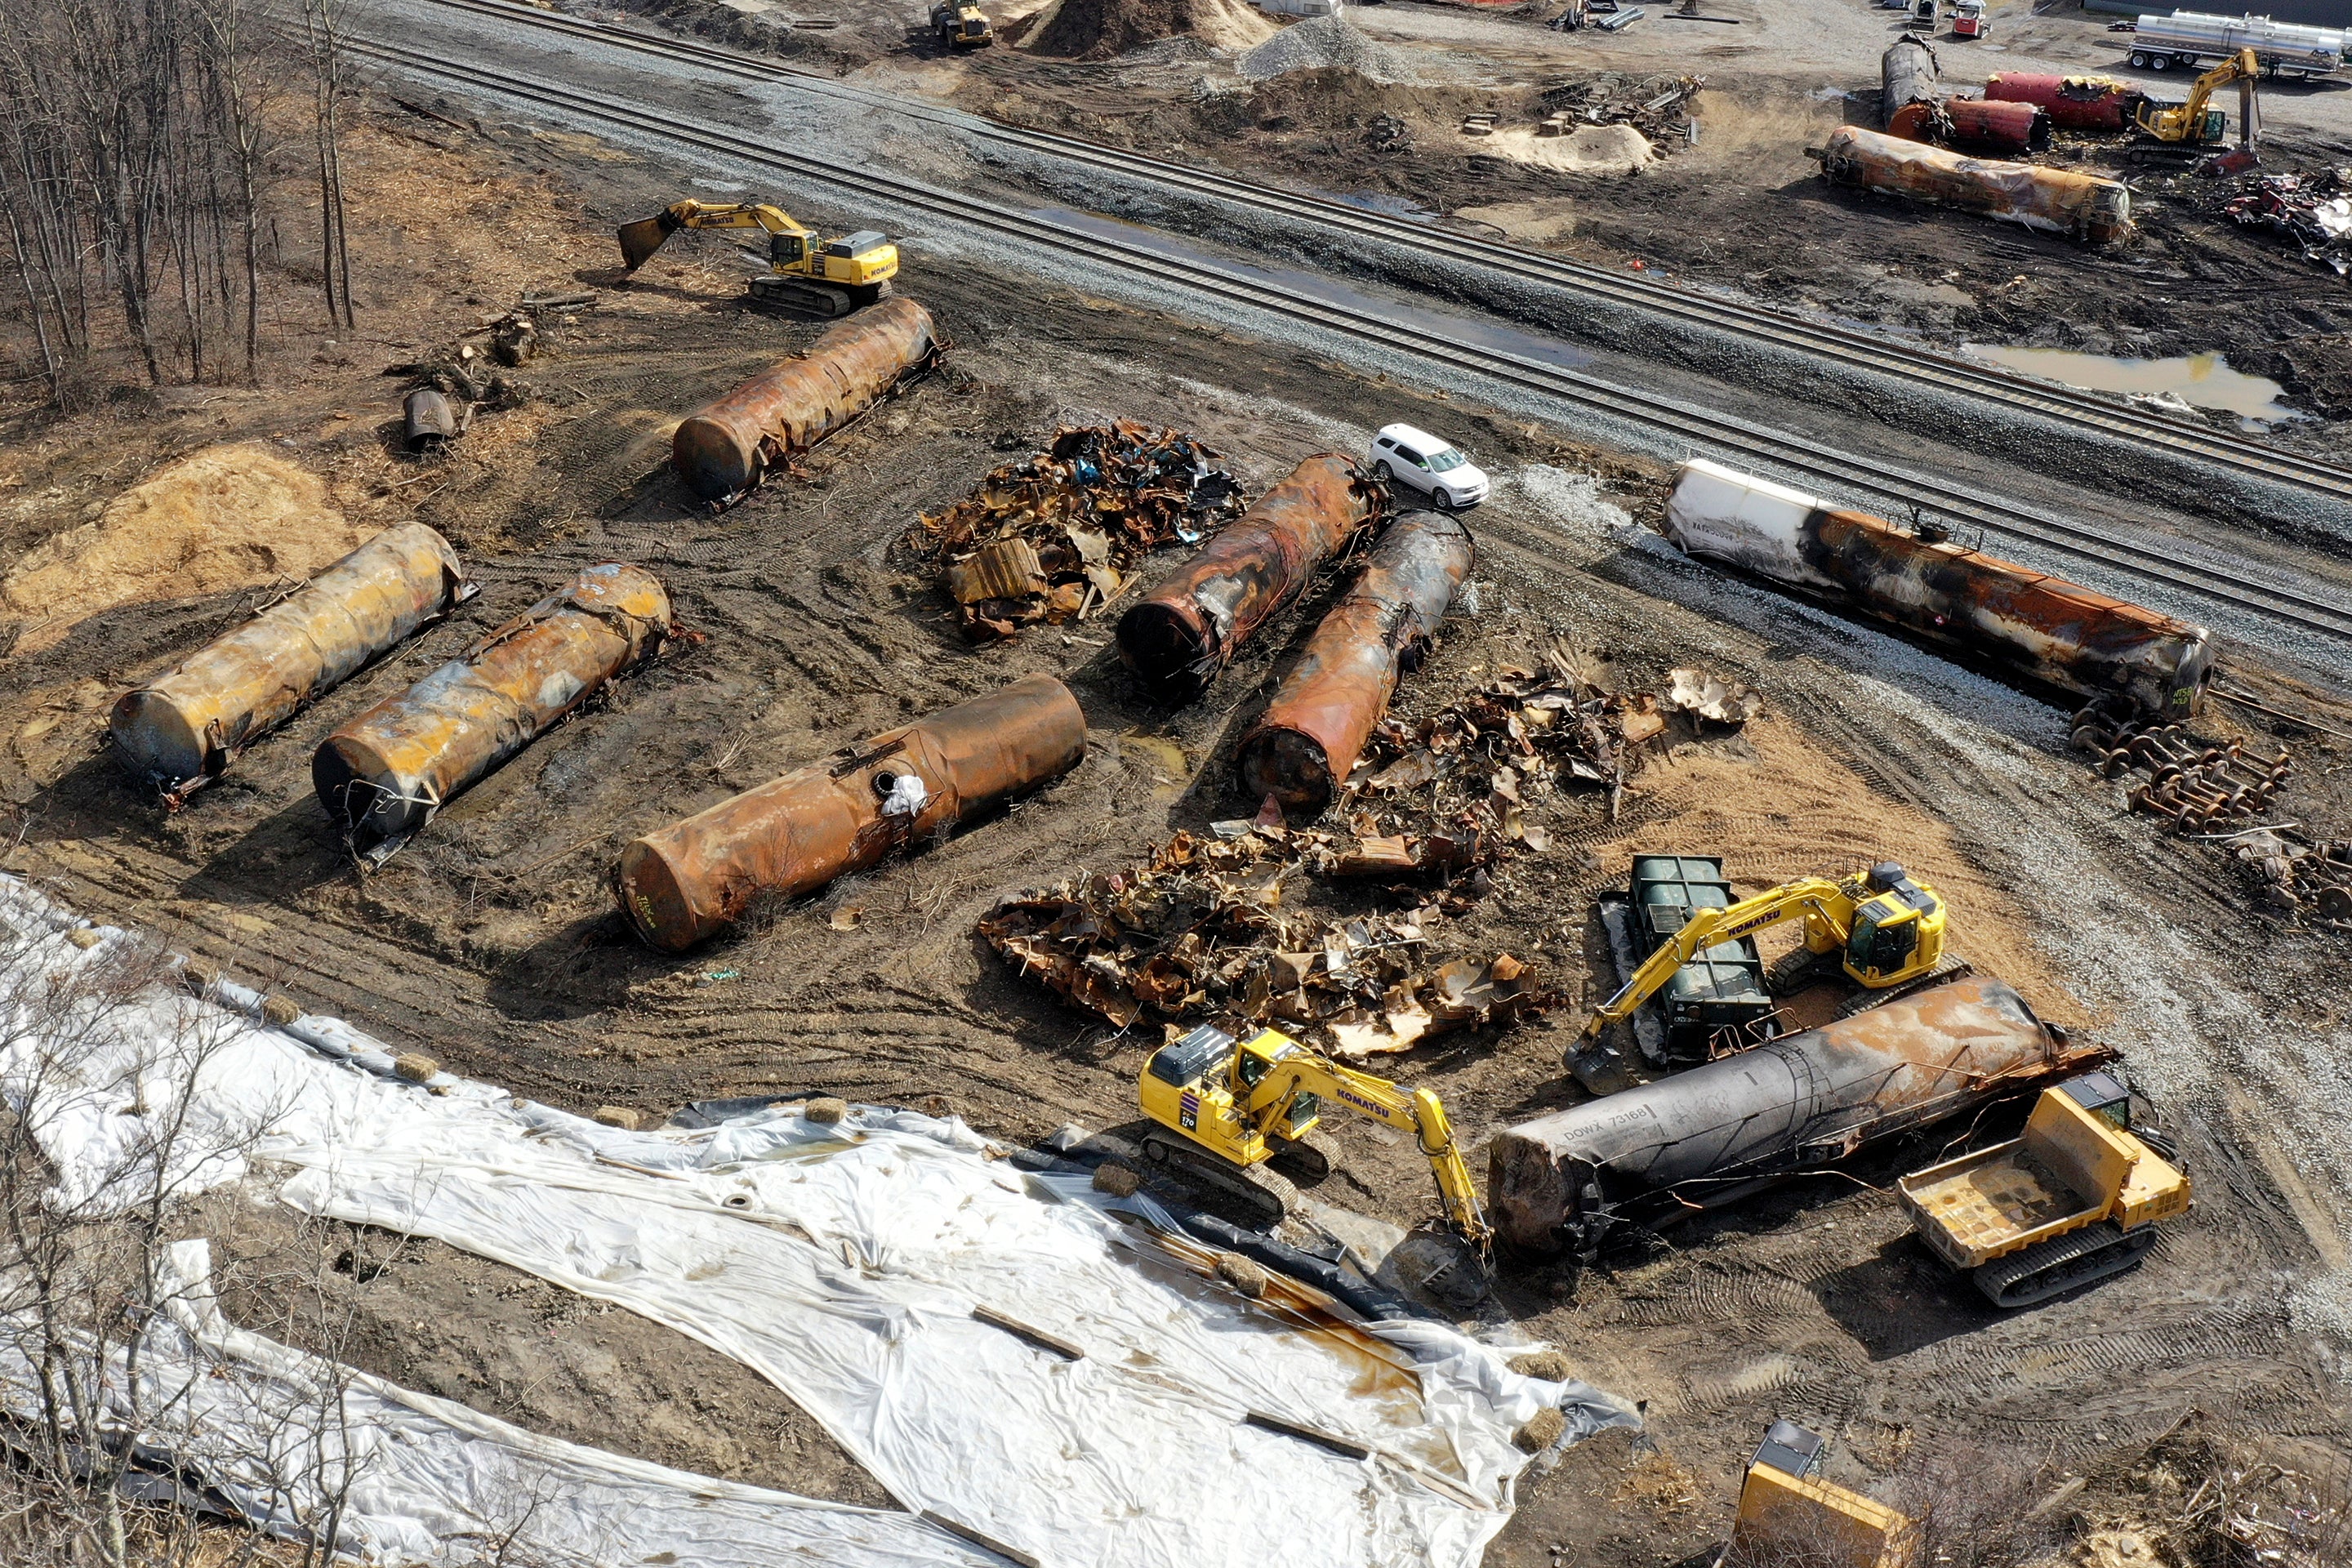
x,y
1416,460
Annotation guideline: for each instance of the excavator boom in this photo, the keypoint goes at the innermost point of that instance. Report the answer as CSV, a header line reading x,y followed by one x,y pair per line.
x,y
1812,898
640,239
1886,929
1299,1071
2188,121
1225,1110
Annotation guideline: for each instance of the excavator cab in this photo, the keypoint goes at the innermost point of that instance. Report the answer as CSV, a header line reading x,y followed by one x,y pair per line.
x,y
1892,925
788,249
1226,1112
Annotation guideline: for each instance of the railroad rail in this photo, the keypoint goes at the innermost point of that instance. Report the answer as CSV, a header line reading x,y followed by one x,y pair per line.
x,y
2273,602
1720,313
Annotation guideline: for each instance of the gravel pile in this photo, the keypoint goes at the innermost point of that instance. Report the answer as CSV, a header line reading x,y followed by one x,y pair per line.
x,y
1321,42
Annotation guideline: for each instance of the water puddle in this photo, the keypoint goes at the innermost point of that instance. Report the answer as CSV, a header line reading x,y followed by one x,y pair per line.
x,y
1462,329
2201,381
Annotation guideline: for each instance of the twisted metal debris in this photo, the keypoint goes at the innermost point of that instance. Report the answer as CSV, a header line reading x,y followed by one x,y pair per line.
x,y
2311,213
1197,934
1531,731
1055,536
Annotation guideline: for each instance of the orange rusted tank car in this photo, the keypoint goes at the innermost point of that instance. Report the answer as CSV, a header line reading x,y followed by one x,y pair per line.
x,y
384,774
723,449
795,834
183,729
1304,746
1188,628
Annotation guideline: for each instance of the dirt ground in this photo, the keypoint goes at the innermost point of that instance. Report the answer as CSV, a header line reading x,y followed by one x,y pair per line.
x,y
492,944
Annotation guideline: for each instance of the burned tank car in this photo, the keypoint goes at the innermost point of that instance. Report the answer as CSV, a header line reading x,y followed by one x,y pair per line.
x,y
1563,1182
2051,631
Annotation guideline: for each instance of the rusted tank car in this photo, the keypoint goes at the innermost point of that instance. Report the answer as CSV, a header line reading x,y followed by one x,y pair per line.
x,y
1188,628
1974,125
2084,207
2072,102
184,727
384,774
2050,631
1563,1182
799,832
723,449
1908,74
1306,741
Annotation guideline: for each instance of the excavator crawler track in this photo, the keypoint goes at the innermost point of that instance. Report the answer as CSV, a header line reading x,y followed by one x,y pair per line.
x,y
2062,1263
1951,967
1311,1158
1799,968
824,300
1268,1195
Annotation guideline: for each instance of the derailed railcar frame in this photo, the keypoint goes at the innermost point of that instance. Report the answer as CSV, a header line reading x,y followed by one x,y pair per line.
x,y
2041,629
2084,207
2055,632
1704,1137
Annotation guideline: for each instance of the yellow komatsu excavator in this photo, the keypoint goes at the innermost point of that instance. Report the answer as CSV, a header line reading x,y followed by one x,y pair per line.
x,y
1881,929
1225,1111
805,272
2193,123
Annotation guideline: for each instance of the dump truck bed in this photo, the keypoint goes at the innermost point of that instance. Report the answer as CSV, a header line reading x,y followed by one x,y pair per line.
x,y
2070,1170
1981,1206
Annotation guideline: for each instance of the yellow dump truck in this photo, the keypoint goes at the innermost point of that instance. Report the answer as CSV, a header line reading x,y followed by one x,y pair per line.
x,y
2075,1199
1789,1514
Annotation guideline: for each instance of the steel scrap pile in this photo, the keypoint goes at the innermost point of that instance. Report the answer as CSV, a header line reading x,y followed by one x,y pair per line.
x,y
1528,732
1657,106
1055,536
1197,934
2215,791
2299,876
2311,213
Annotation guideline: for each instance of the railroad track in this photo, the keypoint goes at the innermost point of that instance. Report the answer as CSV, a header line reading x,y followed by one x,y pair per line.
x,y
1718,313
2276,603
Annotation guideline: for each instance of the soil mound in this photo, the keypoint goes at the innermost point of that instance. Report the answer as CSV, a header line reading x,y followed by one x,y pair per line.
x,y
227,517
1323,42
1099,29
1588,150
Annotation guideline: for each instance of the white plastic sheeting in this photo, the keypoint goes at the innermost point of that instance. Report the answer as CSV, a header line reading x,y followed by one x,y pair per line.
x,y
289,1440
846,1265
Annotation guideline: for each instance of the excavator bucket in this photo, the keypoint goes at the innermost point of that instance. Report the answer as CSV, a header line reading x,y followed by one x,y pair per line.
x,y
640,239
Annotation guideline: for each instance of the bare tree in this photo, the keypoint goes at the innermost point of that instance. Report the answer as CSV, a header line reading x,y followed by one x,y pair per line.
x,y
322,21
135,169
105,1052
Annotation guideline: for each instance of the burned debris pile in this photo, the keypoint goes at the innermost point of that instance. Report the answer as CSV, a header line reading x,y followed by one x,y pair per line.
x,y
1198,933
2311,213
1057,536
1660,107
1208,927
1531,731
